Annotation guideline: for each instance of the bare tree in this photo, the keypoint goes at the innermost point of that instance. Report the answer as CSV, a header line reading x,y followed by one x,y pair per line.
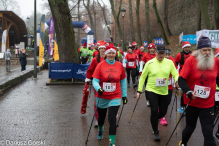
x,y
138,22
216,14
204,11
10,5
131,20
64,30
147,15
198,17
160,23
116,18
166,25
89,13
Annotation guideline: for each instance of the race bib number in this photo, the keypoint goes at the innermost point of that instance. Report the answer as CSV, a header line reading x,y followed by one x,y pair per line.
x,y
202,92
85,52
217,96
161,82
170,81
131,63
109,87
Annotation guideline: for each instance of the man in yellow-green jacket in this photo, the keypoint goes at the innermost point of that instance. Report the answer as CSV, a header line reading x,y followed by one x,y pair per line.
x,y
157,70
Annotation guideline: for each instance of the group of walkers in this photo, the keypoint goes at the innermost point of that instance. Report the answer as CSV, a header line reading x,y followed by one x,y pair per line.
x,y
157,71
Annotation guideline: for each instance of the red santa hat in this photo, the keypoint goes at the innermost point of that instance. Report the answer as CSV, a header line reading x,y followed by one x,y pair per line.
x,y
98,42
216,52
110,48
151,45
102,44
142,47
107,44
85,44
134,44
92,45
89,45
23,51
186,44
118,46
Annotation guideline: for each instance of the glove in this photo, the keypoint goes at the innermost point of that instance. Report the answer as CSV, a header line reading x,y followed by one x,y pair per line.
x,y
140,73
137,68
125,100
87,80
126,62
100,91
189,94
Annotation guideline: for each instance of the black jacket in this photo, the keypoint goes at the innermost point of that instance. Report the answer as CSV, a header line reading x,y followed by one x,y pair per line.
x,y
23,59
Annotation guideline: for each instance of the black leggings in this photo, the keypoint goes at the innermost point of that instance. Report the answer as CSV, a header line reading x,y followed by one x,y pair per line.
x,y
133,74
145,83
84,60
206,117
111,118
156,101
182,104
169,96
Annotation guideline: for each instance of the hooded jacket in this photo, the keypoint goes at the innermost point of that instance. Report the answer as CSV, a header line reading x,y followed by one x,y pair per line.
x,y
7,55
23,59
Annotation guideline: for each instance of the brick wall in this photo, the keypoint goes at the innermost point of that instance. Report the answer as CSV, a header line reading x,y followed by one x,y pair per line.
x,y
182,18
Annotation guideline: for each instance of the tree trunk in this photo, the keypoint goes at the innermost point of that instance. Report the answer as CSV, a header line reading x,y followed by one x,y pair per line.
x,y
95,32
160,23
104,15
204,10
138,22
89,14
147,15
116,18
198,18
131,20
64,31
79,19
216,14
166,24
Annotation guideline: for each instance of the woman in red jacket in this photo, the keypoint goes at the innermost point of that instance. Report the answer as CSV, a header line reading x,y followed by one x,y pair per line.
x,y
131,61
95,61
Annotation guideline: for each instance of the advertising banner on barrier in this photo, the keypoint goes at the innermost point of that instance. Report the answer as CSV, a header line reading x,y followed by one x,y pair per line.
x,y
145,43
80,70
213,35
158,41
191,38
68,70
60,70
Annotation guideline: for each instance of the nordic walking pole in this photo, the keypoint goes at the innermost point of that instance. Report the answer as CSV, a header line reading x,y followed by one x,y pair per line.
x,y
176,108
90,91
120,116
172,107
179,121
216,121
134,109
92,122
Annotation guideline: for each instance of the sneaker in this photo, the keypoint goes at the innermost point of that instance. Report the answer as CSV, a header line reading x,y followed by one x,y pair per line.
x,y
181,110
180,144
128,85
100,135
134,86
163,121
111,144
156,136
148,103
96,124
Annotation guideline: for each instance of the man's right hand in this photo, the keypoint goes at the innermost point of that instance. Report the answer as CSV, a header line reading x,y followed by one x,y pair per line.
x,y
138,95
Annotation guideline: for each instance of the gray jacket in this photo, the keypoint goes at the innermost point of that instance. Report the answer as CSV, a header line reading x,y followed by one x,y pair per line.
x,y
7,54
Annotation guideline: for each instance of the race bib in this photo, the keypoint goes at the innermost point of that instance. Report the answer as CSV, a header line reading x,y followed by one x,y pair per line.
x,y
131,64
217,96
109,87
161,82
202,92
170,81
85,52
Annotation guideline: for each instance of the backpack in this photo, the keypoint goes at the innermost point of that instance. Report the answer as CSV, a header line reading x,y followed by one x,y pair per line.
x,y
182,58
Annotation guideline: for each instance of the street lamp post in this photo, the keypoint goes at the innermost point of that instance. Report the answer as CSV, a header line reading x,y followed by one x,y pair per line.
x,y
28,32
35,42
123,10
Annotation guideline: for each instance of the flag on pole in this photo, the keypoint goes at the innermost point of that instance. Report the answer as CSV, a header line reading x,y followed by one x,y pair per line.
x,y
4,35
51,31
56,51
42,34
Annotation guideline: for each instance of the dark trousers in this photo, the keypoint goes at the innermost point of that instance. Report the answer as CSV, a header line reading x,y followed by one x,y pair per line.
x,y
170,93
23,67
156,101
128,70
84,60
206,116
111,118
182,101
145,83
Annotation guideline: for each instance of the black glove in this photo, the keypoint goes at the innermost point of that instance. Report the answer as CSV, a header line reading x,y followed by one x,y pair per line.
x,y
100,91
135,86
125,100
139,92
189,94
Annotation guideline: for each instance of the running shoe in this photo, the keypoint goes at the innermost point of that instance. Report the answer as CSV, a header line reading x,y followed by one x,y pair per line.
x,y
128,85
148,103
180,144
163,121
100,135
156,136
181,110
217,135
117,116
96,124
